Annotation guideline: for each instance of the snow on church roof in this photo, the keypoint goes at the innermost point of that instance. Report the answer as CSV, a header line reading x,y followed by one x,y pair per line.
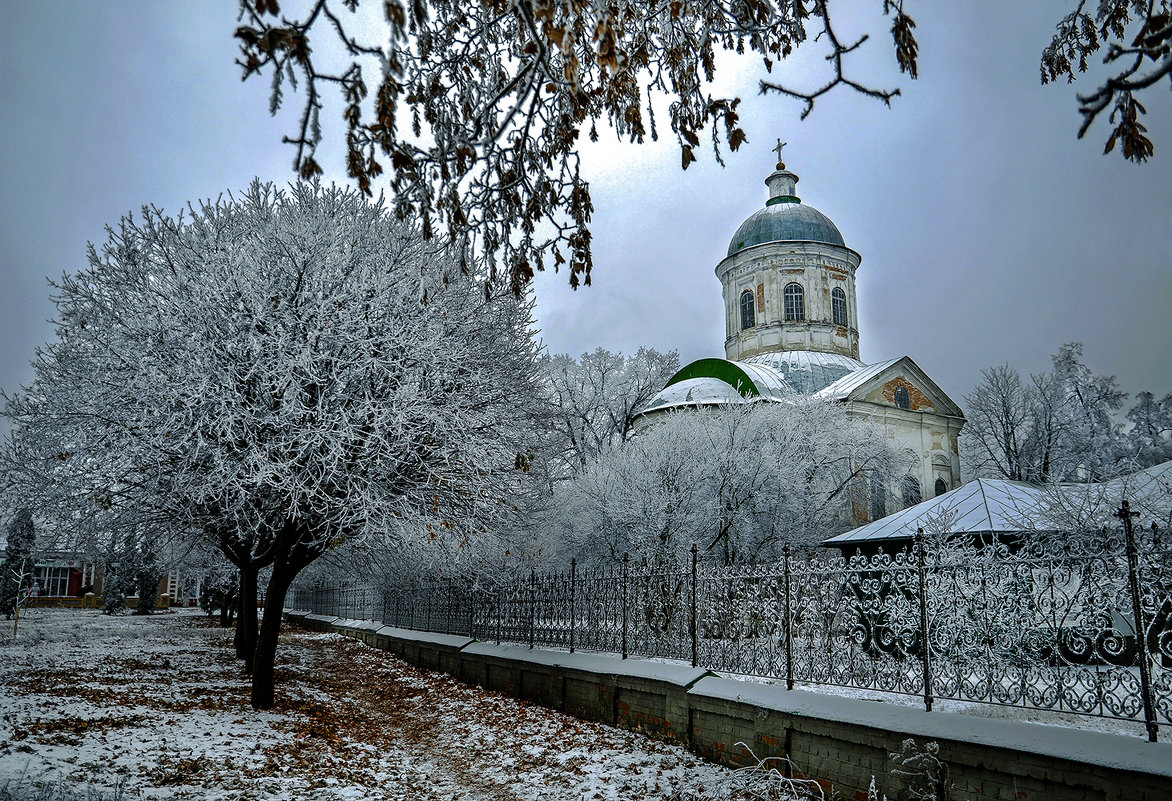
x,y
807,371
843,387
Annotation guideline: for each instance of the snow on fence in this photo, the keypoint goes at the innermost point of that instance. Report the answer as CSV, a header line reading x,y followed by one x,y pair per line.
x,y
1048,626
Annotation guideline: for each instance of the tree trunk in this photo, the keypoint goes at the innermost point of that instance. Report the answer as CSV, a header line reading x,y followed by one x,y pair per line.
x,y
246,627
266,642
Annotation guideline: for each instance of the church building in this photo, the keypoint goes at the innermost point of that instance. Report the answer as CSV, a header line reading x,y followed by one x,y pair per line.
x,y
791,327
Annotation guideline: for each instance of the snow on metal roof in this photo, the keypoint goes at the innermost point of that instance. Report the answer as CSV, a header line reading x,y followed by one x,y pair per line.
x,y
719,381
843,387
693,392
989,505
981,506
807,371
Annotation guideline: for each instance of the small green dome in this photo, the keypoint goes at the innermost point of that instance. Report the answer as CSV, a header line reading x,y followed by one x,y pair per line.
x,y
786,221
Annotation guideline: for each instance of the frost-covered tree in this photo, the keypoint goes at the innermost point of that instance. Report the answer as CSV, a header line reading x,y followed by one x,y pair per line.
x,y
277,374
476,110
739,483
593,399
18,561
1149,440
1057,426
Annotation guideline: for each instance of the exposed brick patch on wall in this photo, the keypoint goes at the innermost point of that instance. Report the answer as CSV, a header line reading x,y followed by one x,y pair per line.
x,y
917,398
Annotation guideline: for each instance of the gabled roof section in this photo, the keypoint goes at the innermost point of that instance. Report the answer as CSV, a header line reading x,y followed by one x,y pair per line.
x,y
996,506
983,506
857,385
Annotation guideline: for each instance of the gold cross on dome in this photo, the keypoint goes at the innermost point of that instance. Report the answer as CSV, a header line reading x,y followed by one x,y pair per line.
x,y
780,145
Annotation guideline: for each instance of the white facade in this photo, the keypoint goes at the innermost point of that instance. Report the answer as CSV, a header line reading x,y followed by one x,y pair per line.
x,y
791,325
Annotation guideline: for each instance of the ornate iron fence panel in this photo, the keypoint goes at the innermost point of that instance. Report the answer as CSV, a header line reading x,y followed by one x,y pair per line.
x,y
740,620
1084,630
551,610
659,612
856,622
598,610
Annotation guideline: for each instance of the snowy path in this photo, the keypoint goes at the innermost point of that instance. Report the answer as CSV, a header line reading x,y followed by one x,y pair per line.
x,y
161,701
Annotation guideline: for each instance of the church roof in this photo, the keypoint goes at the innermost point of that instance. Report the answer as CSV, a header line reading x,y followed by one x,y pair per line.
x,y
842,388
784,218
808,371
790,221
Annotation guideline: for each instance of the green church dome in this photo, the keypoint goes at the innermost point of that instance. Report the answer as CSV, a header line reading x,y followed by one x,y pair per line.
x,y
786,221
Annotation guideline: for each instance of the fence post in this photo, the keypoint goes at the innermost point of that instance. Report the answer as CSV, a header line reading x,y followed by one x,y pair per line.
x,y
573,614
925,650
626,558
789,636
498,614
532,606
471,601
427,620
692,624
1141,628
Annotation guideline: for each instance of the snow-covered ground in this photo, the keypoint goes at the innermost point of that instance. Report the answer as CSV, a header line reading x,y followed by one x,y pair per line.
x,y
161,701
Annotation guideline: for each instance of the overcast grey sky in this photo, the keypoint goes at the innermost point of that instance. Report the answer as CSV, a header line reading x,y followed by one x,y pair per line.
x,y
988,232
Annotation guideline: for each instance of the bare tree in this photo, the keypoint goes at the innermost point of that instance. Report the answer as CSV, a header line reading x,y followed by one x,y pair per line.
x,y
1137,35
17,570
1149,441
1059,426
593,399
278,374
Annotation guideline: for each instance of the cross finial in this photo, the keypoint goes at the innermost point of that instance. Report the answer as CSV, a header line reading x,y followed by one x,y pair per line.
x,y
780,145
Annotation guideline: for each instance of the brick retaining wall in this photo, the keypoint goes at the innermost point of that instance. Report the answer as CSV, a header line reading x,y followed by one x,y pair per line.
x,y
839,741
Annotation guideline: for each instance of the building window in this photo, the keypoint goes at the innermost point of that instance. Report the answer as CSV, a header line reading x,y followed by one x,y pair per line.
x,y
746,310
911,491
795,302
52,581
941,487
902,399
838,306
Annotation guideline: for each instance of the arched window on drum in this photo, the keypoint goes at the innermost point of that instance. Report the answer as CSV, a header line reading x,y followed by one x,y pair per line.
x,y
795,302
838,306
747,316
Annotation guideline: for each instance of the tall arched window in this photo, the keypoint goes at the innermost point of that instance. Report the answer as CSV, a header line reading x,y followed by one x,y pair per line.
x,y
838,306
747,320
902,399
795,302
941,487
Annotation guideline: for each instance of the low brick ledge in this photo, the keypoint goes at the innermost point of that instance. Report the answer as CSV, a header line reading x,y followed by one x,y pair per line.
x,y
1111,758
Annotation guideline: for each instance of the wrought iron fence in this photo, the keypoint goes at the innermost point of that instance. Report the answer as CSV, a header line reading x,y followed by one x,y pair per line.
x,y
1084,630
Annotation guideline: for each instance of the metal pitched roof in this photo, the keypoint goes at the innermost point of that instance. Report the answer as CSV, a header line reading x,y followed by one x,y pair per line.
x,y
990,505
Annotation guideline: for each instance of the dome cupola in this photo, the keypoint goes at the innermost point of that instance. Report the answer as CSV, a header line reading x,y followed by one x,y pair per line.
x,y
789,279
784,218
